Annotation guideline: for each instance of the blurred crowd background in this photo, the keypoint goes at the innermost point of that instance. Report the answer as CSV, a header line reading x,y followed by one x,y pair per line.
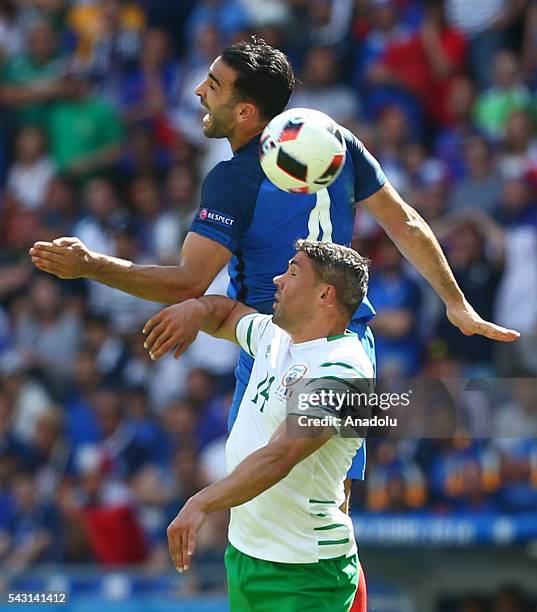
x,y
100,138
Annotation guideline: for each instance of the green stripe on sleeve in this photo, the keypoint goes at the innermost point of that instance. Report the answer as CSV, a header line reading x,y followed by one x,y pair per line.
x,y
329,542
343,381
326,527
320,501
342,364
249,337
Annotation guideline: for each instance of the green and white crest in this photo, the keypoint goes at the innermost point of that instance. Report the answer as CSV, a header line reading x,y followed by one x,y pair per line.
x,y
294,374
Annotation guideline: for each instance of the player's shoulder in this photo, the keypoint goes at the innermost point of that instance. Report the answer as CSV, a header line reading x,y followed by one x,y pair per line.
x,y
245,163
344,358
352,142
237,176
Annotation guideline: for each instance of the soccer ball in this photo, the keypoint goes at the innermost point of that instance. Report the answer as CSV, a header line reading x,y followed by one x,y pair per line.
x,y
302,150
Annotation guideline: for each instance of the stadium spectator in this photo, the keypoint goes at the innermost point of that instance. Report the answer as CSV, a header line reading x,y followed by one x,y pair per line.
x,y
464,474
122,445
449,140
517,207
484,22
182,193
322,89
481,184
53,459
478,273
15,454
84,132
508,93
29,177
149,89
159,230
514,434
33,79
528,53
11,30
230,16
329,21
385,28
60,209
27,395
108,34
426,63
107,513
395,485
143,155
32,526
47,333
519,148
81,422
397,301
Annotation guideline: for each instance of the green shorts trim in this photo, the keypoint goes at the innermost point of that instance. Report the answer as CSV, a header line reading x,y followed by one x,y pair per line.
x,y
255,585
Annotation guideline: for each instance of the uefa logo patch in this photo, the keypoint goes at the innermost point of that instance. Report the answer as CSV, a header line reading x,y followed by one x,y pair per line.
x,y
217,217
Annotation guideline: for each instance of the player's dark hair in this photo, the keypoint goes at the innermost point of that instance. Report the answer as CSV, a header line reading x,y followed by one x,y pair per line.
x,y
264,75
341,267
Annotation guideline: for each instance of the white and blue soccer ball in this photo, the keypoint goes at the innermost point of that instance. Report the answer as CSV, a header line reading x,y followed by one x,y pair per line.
x,y
302,150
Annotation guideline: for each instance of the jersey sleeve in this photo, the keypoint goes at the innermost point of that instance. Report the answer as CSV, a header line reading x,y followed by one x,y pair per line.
x,y
335,389
369,176
223,215
251,329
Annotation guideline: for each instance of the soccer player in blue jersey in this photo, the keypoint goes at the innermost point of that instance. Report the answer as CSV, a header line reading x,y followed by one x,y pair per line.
x,y
248,223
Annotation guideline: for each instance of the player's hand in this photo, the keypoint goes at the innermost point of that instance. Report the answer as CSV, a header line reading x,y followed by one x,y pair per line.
x,y
182,533
176,325
63,257
469,322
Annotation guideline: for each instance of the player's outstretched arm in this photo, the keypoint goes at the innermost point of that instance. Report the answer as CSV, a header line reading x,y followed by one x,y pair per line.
x,y
201,260
416,241
178,325
255,474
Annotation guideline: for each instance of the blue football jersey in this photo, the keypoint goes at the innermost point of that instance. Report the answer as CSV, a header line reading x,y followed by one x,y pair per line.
x,y
242,210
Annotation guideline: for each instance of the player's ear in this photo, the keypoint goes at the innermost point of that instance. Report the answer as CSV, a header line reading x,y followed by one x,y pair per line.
x,y
328,294
246,111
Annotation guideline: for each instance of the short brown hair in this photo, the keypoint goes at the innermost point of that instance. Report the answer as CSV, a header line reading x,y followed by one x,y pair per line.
x,y
341,267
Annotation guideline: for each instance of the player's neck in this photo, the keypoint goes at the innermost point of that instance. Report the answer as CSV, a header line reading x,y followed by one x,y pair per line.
x,y
242,137
316,329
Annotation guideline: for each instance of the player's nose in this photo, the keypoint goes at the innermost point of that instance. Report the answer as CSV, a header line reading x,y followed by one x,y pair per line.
x,y
277,280
199,91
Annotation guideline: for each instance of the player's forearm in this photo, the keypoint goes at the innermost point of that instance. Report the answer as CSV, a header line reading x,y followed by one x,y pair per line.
x,y
254,475
221,316
163,284
417,243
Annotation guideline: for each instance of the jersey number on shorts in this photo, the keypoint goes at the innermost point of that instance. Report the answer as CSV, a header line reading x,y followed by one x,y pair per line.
x,y
319,222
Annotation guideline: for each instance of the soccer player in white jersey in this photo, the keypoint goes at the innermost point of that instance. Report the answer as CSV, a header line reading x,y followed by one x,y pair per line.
x,y
291,546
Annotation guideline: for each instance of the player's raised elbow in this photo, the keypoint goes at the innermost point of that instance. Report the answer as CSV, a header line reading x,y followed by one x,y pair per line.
x,y
186,285
392,213
408,223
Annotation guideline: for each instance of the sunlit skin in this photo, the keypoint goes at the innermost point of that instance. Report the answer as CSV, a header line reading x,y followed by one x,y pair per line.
x,y
304,306
238,121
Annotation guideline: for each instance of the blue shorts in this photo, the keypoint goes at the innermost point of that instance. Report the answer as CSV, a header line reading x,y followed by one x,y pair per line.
x,y
244,369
